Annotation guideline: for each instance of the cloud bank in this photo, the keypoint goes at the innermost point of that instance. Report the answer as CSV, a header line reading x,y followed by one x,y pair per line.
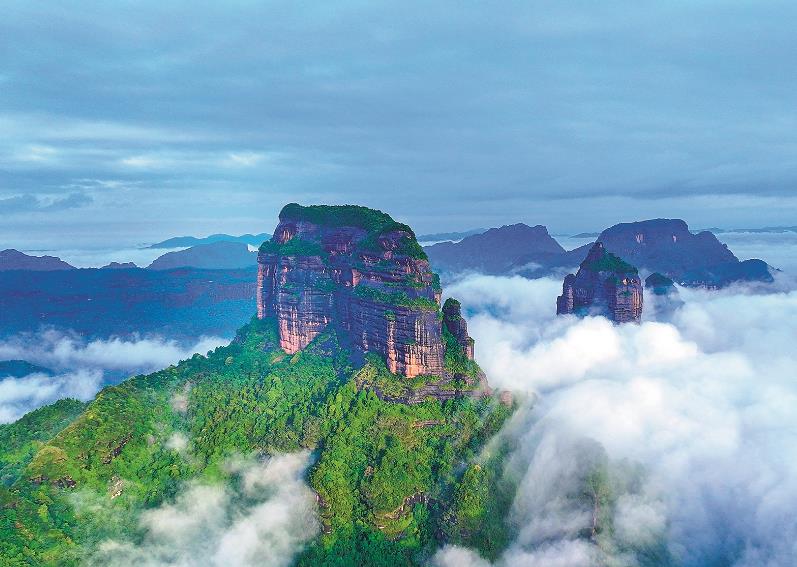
x,y
692,423
81,368
263,518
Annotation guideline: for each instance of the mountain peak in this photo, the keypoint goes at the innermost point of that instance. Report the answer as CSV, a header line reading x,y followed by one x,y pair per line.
x,y
357,270
604,285
495,250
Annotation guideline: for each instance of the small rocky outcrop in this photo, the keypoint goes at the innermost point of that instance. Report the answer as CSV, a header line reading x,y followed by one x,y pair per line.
x,y
604,285
364,274
457,326
120,266
665,295
659,284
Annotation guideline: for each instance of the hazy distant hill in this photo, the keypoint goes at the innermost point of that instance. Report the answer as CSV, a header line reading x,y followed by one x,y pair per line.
x,y
15,260
438,236
669,247
119,266
213,256
18,368
180,241
495,250
657,245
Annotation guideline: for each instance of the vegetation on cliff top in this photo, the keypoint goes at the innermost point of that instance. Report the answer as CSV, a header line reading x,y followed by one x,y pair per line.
x,y
608,262
373,221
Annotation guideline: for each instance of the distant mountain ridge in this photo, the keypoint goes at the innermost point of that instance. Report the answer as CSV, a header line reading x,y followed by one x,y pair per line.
x,y
18,368
494,251
221,255
656,245
184,241
440,236
11,259
183,304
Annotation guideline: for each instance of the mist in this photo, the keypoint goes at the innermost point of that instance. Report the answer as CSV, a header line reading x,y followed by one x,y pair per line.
x,y
79,368
263,517
692,421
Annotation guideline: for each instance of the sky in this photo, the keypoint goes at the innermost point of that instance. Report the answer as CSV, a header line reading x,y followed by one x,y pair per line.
x,y
130,122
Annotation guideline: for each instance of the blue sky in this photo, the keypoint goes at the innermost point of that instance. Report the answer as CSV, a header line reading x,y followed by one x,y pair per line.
x,y
134,121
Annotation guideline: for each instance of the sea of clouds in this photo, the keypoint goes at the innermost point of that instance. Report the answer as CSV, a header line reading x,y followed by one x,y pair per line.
x,y
702,404
80,368
693,415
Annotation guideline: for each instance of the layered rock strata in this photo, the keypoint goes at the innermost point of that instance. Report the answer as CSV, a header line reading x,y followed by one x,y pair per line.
x,y
604,285
359,270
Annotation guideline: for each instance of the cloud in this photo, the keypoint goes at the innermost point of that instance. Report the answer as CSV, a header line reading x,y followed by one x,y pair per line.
x,y
692,421
264,517
82,368
245,159
56,349
613,114
35,204
18,396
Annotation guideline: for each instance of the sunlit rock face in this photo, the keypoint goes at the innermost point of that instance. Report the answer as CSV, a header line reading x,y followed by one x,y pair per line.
x,y
360,270
604,285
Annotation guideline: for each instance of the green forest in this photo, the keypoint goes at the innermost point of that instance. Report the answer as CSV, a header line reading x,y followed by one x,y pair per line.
x,y
393,481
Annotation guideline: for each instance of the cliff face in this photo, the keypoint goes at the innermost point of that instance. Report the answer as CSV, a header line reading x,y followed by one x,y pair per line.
x,y
457,326
603,285
360,270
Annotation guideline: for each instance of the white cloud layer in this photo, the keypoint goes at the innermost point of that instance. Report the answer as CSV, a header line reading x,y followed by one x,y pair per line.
x,y
81,368
263,520
705,404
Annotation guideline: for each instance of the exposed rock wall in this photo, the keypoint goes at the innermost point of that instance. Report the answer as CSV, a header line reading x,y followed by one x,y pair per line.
x,y
603,285
457,326
364,273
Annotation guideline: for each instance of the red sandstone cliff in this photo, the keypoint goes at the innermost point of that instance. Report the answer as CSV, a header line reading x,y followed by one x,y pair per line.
x,y
358,269
603,285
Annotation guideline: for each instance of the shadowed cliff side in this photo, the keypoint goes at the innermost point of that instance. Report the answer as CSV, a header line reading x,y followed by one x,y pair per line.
x,y
603,285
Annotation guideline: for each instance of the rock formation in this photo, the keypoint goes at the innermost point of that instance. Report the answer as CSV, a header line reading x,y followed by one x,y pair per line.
x,y
669,247
457,326
119,266
666,246
356,269
604,285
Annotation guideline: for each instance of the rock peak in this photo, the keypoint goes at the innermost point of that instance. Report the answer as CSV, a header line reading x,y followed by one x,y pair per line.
x,y
361,273
604,285
457,326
